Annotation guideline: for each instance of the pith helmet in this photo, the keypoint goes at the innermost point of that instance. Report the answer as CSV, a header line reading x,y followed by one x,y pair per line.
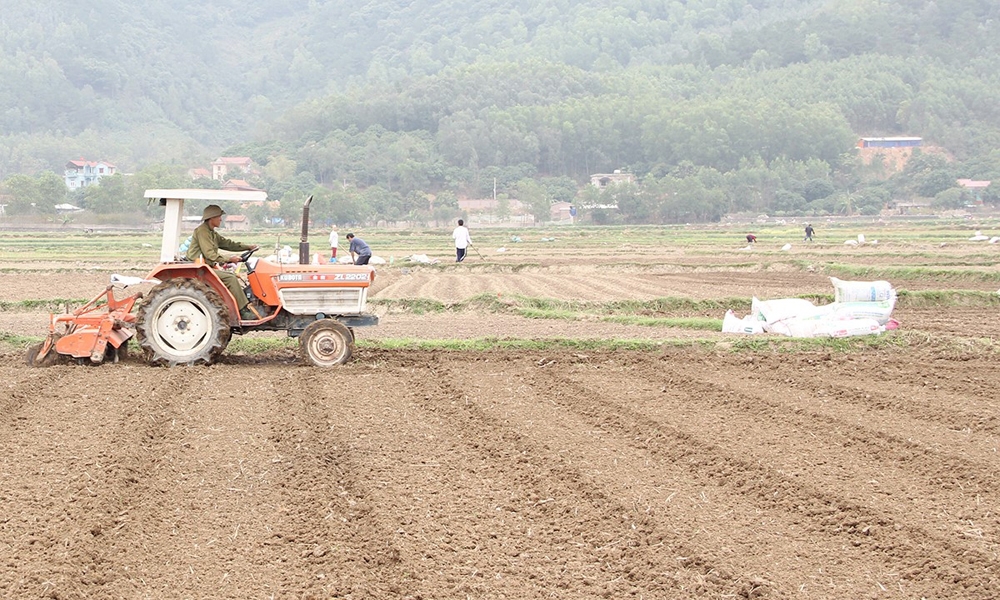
x,y
211,211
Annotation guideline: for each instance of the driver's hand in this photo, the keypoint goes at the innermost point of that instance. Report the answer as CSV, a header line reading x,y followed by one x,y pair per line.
x,y
255,247
234,259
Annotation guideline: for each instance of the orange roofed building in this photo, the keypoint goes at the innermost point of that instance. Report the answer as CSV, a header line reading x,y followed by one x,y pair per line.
x,y
236,223
976,187
222,166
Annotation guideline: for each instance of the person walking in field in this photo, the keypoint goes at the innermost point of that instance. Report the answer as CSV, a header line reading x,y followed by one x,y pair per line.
x,y
359,250
334,239
809,233
462,240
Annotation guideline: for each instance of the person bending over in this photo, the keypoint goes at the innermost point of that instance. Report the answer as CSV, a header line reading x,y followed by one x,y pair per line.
x,y
359,250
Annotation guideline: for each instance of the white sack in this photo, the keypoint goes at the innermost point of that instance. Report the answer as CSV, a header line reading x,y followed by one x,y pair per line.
x,y
861,291
771,311
848,328
748,324
842,311
814,328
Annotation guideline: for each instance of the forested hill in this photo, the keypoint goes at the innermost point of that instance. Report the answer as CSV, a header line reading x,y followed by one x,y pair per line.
x,y
422,96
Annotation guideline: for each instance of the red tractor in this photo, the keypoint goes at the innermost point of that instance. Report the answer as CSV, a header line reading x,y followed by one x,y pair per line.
x,y
189,316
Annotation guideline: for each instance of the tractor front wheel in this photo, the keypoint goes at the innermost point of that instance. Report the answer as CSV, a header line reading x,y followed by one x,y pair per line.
x,y
326,343
182,322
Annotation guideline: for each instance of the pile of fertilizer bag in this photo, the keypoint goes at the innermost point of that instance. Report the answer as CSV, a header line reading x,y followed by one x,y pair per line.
x,y
859,308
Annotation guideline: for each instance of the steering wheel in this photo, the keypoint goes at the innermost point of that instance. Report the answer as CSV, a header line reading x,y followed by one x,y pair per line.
x,y
245,256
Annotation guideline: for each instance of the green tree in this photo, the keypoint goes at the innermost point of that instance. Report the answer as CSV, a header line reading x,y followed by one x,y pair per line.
x,y
532,194
25,197
51,188
110,196
951,198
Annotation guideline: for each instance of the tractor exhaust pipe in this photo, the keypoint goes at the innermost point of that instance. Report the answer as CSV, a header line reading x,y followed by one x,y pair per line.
x,y
304,241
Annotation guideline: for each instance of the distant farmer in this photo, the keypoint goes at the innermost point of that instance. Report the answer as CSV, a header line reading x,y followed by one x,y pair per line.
x,y
359,250
462,240
206,242
334,239
809,233
751,238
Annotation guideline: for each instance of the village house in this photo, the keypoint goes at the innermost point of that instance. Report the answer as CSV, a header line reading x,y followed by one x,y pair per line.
x,y
224,166
236,223
199,173
977,188
81,173
239,184
603,180
229,170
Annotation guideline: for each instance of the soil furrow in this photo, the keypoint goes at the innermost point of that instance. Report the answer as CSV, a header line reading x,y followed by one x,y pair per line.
x,y
643,559
147,414
22,386
888,471
923,389
970,476
724,523
330,529
196,482
875,532
98,442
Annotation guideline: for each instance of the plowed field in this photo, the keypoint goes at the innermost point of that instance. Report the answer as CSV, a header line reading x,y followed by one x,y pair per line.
x,y
691,471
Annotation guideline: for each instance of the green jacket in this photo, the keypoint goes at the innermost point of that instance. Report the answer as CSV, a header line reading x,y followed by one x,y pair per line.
x,y
207,242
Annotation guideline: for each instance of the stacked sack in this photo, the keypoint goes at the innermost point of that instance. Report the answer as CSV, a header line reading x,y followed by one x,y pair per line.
x,y
859,308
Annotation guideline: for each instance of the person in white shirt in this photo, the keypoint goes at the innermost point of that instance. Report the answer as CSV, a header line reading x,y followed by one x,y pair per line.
x,y
462,240
334,239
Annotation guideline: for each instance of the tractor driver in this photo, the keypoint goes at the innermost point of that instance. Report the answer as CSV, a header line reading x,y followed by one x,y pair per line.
x,y
206,242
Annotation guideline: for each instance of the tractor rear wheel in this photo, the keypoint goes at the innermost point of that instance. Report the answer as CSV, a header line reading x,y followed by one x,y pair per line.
x,y
182,322
326,343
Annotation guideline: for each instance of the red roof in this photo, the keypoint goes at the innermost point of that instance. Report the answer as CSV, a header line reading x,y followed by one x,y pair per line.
x,y
90,163
238,184
972,183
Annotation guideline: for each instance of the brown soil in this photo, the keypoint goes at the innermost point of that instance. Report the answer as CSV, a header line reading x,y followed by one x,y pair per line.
x,y
677,473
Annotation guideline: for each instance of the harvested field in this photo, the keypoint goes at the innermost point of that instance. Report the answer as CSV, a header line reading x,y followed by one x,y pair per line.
x,y
701,466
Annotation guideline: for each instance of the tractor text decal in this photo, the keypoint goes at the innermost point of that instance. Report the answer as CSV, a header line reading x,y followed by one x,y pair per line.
x,y
351,276
323,277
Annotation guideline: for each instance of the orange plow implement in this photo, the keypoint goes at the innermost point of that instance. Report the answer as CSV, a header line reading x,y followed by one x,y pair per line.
x,y
97,330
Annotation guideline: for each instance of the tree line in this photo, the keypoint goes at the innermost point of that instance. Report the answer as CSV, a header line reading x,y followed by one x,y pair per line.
x,y
715,105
